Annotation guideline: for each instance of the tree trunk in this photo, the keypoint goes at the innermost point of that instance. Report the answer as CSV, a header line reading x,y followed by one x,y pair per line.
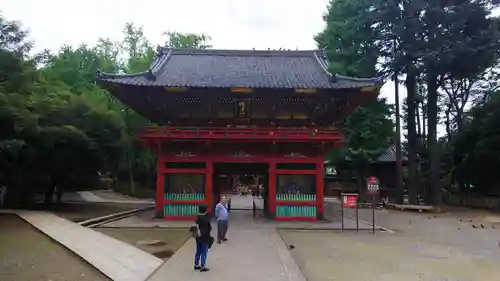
x,y
49,195
447,124
424,126
362,183
432,111
399,161
412,184
417,118
409,40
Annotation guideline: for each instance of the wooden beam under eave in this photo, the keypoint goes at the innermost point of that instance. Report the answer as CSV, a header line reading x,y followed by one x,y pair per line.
x,y
374,88
300,116
305,91
176,89
241,90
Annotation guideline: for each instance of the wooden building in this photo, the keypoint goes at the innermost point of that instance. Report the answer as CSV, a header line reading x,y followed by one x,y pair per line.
x,y
345,179
230,111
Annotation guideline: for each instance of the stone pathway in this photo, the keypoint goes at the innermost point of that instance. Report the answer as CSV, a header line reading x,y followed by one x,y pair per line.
x,y
254,252
245,202
117,260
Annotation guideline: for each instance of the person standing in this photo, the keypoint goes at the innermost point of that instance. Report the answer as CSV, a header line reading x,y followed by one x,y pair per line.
x,y
222,216
3,193
203,239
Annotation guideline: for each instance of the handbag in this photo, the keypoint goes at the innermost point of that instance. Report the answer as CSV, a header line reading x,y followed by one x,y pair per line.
x,y
211,242
195,230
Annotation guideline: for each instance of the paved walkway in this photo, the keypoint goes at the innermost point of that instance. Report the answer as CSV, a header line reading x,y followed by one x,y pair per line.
x,y
254,252
117,260
89,196
246,202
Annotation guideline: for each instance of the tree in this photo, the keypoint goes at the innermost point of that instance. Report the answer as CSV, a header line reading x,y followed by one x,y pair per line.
x,y
46,124
449,38
189,40
57,128
476,149
352,50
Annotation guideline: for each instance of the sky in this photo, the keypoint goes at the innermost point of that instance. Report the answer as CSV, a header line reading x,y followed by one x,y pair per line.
x,y
232,24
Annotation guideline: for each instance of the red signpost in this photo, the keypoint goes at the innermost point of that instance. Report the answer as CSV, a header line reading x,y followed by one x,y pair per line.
x,y
350,199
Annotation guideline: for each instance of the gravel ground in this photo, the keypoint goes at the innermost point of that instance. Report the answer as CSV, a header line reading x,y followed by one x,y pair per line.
x,y
28,255
461,244
473,231
162,243
363,256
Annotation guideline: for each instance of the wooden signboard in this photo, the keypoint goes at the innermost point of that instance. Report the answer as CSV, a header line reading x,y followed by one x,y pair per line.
x,y
242,109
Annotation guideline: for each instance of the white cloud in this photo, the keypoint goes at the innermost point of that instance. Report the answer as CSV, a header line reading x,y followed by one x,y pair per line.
x,y
240,24
232,24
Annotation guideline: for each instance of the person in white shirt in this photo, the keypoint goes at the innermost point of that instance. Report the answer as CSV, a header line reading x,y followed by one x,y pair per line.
x,y
222,216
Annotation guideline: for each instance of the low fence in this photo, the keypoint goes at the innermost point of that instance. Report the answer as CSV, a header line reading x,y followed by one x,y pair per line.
x,y
492,203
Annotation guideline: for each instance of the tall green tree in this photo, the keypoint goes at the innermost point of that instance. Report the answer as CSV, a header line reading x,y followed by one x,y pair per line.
x,y
476,149
352,50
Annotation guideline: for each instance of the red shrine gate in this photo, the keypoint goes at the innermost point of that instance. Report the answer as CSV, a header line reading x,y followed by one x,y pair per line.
x,y
273,108
202,147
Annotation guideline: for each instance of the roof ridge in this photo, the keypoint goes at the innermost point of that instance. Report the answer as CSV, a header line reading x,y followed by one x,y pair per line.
x,y
323,64
106,75
233,52
322,59
356,79
160,61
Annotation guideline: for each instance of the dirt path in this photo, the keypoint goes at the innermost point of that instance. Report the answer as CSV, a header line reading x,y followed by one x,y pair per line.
x,y
28,255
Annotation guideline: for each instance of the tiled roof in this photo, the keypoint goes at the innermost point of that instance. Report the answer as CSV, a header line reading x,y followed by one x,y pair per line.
x,y
389,155
239,68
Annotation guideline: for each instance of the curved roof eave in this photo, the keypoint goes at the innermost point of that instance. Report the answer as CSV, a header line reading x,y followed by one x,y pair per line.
x,y
157,63
320,56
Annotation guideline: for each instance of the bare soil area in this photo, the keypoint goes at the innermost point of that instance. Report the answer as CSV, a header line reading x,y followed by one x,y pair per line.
x,y
28,255
113,196
162,243
78,212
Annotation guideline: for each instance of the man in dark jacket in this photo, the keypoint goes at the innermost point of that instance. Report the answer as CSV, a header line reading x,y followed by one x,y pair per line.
x,y
203,239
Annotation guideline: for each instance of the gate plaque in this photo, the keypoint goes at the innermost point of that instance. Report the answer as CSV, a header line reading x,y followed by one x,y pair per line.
x,y
242,108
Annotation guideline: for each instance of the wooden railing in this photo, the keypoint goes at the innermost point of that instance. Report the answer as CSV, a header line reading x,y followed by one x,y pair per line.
x,y
246,134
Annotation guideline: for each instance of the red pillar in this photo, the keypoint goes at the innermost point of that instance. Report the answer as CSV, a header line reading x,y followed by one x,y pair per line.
x,y
320,183
160,185
209,185
272,189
